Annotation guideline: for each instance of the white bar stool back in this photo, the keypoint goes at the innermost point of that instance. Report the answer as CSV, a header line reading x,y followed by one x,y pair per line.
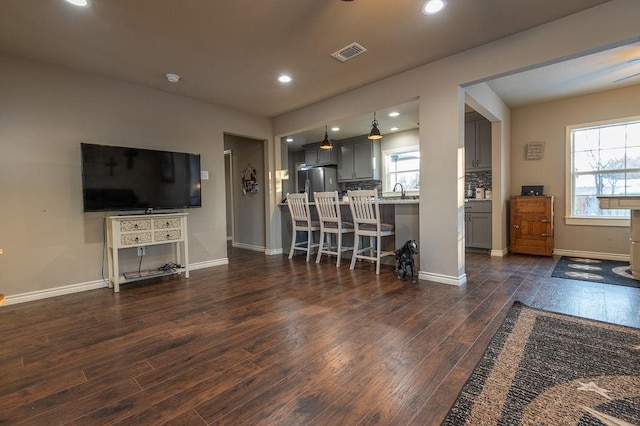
x,y
301,222
365,212
328,207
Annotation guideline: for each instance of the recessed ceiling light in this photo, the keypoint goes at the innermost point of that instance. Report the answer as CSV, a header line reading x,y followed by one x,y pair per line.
x,y
394,114
284,79
289,139
433,6
393,129
172,78
335,129
79,2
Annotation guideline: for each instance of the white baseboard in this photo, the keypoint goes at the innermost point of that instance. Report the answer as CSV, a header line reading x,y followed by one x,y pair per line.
x,y
90,285
53,292
592,255
500,253
208,264
273,252
443,279
248,247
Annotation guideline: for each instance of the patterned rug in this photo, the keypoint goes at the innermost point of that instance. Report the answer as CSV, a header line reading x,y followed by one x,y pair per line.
x,y
596,270
543,368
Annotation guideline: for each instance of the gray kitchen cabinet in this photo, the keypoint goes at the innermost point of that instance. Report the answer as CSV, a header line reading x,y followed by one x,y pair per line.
x,y
477,142
477,218
359,159
316,156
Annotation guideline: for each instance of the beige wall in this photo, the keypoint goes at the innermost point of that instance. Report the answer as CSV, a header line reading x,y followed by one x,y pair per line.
x,y
439,87
397,140
547,123
45,113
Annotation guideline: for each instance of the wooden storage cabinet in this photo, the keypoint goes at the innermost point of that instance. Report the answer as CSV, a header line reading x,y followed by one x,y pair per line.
x,y
139,231
477,143
477,218
532,225
359,160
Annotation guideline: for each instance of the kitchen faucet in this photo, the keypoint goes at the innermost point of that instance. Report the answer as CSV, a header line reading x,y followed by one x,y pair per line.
x,y
402,194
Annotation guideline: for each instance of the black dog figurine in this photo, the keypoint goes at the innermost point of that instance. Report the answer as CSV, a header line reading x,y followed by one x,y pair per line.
x,y
404,257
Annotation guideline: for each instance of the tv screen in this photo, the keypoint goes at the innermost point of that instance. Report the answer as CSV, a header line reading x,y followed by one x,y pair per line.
x,y
120,178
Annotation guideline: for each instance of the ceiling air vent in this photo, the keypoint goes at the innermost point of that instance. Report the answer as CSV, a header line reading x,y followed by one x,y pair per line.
x,y
348,52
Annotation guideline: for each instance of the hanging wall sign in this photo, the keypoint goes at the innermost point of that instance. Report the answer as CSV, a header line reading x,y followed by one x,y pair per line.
x,y
535,151
249,180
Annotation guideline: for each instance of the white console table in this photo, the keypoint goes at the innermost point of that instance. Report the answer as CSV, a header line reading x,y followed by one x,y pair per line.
x,y
632,203
145,230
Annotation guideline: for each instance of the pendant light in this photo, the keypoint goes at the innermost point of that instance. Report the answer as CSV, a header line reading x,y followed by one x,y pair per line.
x,y
326,143
375,132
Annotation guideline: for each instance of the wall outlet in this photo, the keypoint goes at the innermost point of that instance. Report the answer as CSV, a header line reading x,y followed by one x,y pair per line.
x,y
140,251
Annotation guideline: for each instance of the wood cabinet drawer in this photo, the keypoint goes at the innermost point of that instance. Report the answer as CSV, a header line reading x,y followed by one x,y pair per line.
x,y
173,222
135,225
135,238
168,235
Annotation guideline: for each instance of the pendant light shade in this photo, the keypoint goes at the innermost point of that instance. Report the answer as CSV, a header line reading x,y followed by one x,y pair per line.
x,y
326,143
375,132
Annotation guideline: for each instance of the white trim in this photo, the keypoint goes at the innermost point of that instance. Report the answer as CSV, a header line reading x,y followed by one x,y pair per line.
x,y
592,255
500,252
443,279
248,246
208,264
229,153
57,291
568,190
384,173
273,252
623,222
89,285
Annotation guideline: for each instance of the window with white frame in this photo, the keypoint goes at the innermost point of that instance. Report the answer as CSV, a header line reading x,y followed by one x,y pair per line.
x,y
401,170
603,159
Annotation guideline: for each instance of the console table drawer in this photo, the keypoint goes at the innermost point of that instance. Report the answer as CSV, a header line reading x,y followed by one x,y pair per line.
x,y
135,238
168,235
174,222
135,225
128,231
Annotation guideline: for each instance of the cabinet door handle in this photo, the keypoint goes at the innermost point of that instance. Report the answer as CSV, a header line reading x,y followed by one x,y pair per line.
x,y
135,226
516,226
168,236
545,221
545,235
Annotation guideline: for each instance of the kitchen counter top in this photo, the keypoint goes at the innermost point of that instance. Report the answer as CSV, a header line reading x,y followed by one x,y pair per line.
x,y
381,201
473,200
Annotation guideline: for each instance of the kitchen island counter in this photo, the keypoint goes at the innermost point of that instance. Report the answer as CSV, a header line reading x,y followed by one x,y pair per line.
x,y
403,213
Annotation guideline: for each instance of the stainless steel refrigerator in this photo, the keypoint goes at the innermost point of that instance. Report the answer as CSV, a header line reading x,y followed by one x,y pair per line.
x,y
317,179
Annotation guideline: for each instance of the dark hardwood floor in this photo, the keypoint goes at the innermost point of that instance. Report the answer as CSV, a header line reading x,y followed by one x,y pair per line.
x,y
268,340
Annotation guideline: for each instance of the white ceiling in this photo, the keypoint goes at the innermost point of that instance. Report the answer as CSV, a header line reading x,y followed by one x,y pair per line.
x,y
231,52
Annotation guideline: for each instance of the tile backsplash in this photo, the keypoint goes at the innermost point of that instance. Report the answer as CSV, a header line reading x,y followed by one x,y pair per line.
x,y
478,179
361,184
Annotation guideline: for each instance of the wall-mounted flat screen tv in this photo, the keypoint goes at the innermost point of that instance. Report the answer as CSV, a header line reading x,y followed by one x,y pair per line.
x,y
121,178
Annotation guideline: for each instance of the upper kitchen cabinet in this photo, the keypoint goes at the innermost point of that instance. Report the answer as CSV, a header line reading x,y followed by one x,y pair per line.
x,y
477,142
316,156
359,159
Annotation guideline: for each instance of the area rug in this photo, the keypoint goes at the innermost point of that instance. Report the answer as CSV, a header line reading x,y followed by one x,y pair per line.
x,y
596,270
544,368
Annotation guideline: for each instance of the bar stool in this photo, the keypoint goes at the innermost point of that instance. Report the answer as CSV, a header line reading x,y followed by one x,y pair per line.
x,y
365,211
328,207
301,221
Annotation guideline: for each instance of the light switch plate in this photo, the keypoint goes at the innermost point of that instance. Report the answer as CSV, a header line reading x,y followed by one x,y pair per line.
x,y
204,175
